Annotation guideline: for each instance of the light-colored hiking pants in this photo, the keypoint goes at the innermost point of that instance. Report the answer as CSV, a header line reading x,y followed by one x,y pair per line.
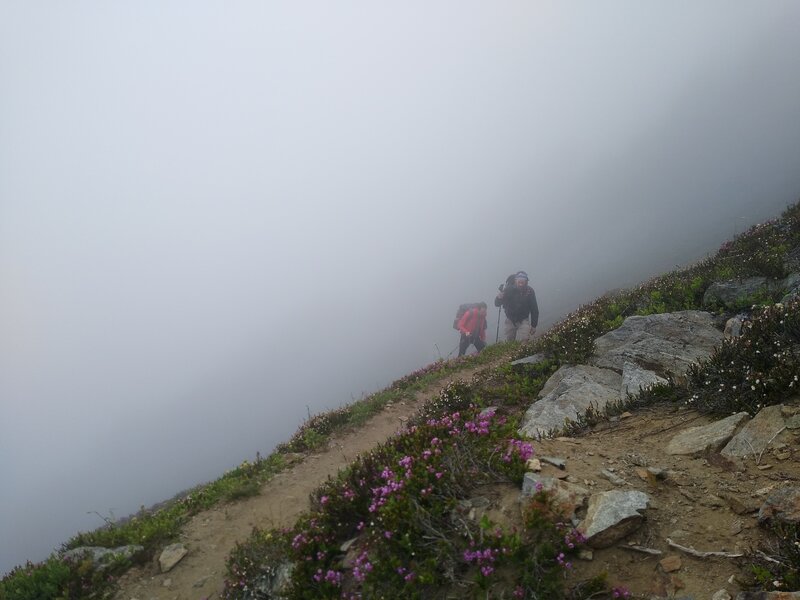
x,y
520,331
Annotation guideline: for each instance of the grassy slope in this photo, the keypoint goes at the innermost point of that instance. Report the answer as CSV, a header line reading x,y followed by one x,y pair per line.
x,y
406,541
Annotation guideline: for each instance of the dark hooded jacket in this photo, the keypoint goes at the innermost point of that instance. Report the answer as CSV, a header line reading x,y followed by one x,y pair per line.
x,y
519,304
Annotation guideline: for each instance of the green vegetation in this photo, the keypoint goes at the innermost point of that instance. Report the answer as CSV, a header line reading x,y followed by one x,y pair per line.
x,y
398,507
758,369
400,511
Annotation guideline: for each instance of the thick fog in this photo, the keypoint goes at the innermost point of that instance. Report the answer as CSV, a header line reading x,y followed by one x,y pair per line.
x,y
216,217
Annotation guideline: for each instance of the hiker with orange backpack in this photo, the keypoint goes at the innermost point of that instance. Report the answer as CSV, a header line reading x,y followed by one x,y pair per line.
x,y
472,326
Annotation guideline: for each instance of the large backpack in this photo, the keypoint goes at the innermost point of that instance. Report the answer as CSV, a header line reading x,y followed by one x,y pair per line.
x,y
462,309
510,280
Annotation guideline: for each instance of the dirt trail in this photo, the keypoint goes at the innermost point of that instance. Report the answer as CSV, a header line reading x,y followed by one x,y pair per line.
x,y
211,535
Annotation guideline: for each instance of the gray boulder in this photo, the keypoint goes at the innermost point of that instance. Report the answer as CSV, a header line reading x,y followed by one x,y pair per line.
x,y
530,360
613,515
754,437
782,505
102,557
742,293
567,395
738,293
273,584
733,326
791,287
697,440
667,343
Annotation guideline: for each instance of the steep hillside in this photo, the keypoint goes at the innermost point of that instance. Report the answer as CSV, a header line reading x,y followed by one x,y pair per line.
x,y
428,489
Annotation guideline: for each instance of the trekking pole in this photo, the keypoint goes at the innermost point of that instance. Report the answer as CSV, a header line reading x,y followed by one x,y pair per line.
x,y
497,335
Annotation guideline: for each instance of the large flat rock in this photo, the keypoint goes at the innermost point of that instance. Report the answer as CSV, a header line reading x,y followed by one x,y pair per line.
x,y
755,436
667,343
697,440
566,396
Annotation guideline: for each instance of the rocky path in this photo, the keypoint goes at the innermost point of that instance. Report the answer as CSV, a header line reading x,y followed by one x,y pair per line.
x,y
211,535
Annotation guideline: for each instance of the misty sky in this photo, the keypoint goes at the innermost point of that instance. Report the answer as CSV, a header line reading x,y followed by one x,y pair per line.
x,y
217,217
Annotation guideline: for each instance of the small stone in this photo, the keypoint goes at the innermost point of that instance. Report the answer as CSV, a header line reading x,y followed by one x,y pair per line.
x,y
534,464
741,505
201,582
736,527
167,582
645,475
676,582
559,463
721,595
171,556
586,554
671,563
615,479
765,490
626,415
764,467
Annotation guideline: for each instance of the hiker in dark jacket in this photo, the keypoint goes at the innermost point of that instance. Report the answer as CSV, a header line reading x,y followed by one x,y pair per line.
x,y
522,312
472,326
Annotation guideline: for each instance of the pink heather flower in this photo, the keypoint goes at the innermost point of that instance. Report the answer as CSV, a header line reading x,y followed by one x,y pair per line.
x,y
334,577
323,500
387,535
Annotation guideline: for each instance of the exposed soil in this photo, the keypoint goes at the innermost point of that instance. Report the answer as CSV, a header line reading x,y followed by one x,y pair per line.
x,y
703,503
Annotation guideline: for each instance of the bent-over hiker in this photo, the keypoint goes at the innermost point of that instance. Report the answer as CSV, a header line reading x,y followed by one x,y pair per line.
x,y
522,312
472,326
